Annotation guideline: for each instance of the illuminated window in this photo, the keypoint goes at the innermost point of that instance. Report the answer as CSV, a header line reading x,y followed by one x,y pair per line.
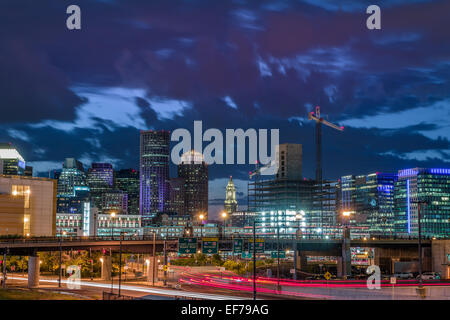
x,y
22,191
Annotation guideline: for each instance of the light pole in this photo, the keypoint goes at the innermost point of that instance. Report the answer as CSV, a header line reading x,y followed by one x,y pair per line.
x,y
224,216
120,259
113,215
112,274
298,217
254,259
201,217
60,257
278,252
346,245
154,258
419,225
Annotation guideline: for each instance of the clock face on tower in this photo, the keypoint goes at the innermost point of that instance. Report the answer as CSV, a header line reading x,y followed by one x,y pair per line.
x,y
229,193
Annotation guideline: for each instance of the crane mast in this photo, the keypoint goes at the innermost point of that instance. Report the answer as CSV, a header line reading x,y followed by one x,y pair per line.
x,y
315,116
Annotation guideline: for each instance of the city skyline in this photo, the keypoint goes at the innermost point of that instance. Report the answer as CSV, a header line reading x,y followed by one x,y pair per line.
x,y
89,100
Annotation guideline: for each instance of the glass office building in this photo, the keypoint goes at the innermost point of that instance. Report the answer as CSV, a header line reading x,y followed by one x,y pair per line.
x,y
72,175
154,173
11,162
418,185
127,180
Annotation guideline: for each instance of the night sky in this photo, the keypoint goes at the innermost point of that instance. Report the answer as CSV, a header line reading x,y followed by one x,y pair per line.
x,y
232,64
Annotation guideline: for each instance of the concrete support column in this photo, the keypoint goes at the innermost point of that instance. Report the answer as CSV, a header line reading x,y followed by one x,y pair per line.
x,y
376,257
106,267
340,272
346,254
151,269
33,271
301,261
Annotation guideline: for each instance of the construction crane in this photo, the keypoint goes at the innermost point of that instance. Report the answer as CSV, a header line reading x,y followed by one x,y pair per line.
x,y
319,121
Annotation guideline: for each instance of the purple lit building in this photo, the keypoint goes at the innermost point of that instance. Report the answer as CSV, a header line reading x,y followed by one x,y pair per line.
x,y
154,173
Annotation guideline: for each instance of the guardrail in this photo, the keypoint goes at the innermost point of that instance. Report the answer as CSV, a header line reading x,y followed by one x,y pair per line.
x,y
159,238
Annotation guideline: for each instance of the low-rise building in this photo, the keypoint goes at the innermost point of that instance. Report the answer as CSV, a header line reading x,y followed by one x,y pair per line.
x,y
38,199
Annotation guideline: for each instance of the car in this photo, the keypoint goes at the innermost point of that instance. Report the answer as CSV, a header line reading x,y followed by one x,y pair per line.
x,y
430,276
404,275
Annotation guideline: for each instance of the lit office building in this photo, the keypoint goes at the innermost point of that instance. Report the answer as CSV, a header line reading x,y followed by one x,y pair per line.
x,y
418,185
282,223
376,201
27,206
321,218
108,224
72,175
114,201
154,173
73,203
11,162
100,179
194,171
368,201
127,180
242,218
176,196
69,224
172,219
273,195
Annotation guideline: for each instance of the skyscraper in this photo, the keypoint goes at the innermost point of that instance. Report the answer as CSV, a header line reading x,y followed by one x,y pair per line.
x,y
194,171
100,176
127,180
11,162
177,196
114,201
100,179
154,172
72,175
230,197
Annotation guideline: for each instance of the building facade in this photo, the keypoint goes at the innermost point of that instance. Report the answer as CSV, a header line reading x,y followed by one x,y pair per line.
x,y
38,198
422,185
72,175
154,172
176,202
290,157
11,162
127,180
99,178
114,201
194,171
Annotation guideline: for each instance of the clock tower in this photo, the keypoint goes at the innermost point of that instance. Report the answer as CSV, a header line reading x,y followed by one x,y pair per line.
x,y
230,198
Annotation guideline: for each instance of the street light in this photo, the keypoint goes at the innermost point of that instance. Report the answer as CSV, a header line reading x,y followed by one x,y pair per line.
x,y
419,207
201,217
224,216
113,215
120,259
346,220
60,257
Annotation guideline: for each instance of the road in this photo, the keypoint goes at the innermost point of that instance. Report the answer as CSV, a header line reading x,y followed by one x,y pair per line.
x,y
204,283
